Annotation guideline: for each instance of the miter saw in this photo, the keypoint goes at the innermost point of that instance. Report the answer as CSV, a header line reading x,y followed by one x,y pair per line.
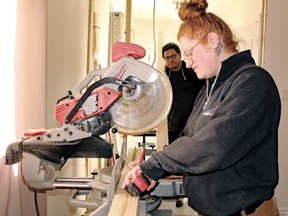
x,y
131,98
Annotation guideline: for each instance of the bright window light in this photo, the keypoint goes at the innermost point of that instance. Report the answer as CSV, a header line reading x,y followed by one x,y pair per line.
x,y
7,59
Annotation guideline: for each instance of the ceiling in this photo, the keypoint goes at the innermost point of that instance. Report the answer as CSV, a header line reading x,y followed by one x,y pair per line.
x,y
143,10
167,9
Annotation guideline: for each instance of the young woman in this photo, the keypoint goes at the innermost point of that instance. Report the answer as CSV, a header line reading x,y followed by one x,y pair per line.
x,y
228,150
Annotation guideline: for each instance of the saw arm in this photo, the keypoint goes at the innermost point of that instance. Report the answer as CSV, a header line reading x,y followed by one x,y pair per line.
x,y
131,98
58,152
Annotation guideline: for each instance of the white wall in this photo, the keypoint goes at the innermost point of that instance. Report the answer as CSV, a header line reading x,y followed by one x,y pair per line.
x,y
240,13
143,34
236,13
102,10
67,25
29,72
276,63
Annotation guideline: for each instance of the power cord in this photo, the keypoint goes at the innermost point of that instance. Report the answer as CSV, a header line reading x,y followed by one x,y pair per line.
x,y
36,203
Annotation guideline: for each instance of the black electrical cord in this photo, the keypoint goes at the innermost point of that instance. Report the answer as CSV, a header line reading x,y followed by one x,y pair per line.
x,y
36,203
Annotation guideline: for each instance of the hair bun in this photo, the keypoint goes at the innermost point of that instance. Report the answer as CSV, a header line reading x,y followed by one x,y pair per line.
x,y
192,8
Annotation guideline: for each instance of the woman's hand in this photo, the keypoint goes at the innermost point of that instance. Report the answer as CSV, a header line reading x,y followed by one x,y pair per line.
x,y
133,173
133,164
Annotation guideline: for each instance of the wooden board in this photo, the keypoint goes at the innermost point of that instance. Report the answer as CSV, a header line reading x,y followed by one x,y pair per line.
x,y
123,203
162,135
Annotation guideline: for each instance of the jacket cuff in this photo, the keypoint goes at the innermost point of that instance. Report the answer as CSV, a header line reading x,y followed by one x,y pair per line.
x,y
151,171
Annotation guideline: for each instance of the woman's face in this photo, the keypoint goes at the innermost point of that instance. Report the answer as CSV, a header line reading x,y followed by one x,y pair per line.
x,y
201,57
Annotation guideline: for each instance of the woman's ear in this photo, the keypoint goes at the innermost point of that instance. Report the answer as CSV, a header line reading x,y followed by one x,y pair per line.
x,y
213,39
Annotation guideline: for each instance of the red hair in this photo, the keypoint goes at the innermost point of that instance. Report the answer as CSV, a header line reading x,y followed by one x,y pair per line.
x,y
197,23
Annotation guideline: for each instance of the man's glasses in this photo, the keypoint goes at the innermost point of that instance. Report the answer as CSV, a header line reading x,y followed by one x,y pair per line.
x,y
187,58
171,57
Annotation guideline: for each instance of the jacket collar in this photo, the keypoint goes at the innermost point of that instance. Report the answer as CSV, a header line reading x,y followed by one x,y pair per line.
x,y
230,65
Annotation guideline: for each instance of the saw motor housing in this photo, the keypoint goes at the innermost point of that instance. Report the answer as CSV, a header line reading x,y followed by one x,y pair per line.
x,y
93,112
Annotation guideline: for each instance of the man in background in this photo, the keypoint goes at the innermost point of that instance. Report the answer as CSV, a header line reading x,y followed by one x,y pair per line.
x,y
185,87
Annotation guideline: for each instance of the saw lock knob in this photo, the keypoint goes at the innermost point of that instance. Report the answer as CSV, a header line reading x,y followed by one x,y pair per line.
x,y
138,186
114,130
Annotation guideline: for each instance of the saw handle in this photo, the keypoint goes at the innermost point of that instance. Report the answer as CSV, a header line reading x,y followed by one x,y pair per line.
x,y
138,186
123,49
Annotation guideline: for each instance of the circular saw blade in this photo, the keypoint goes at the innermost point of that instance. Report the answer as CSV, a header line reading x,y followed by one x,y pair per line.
x,y
143,109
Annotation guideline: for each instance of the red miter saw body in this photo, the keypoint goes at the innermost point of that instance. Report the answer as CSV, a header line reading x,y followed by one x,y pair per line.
x,y
131,98
100,101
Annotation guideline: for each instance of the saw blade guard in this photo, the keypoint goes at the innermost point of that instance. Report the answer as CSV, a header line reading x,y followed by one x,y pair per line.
x,y
142,109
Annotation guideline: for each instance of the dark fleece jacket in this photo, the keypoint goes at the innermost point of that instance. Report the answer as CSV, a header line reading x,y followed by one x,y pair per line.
x,y
228,151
